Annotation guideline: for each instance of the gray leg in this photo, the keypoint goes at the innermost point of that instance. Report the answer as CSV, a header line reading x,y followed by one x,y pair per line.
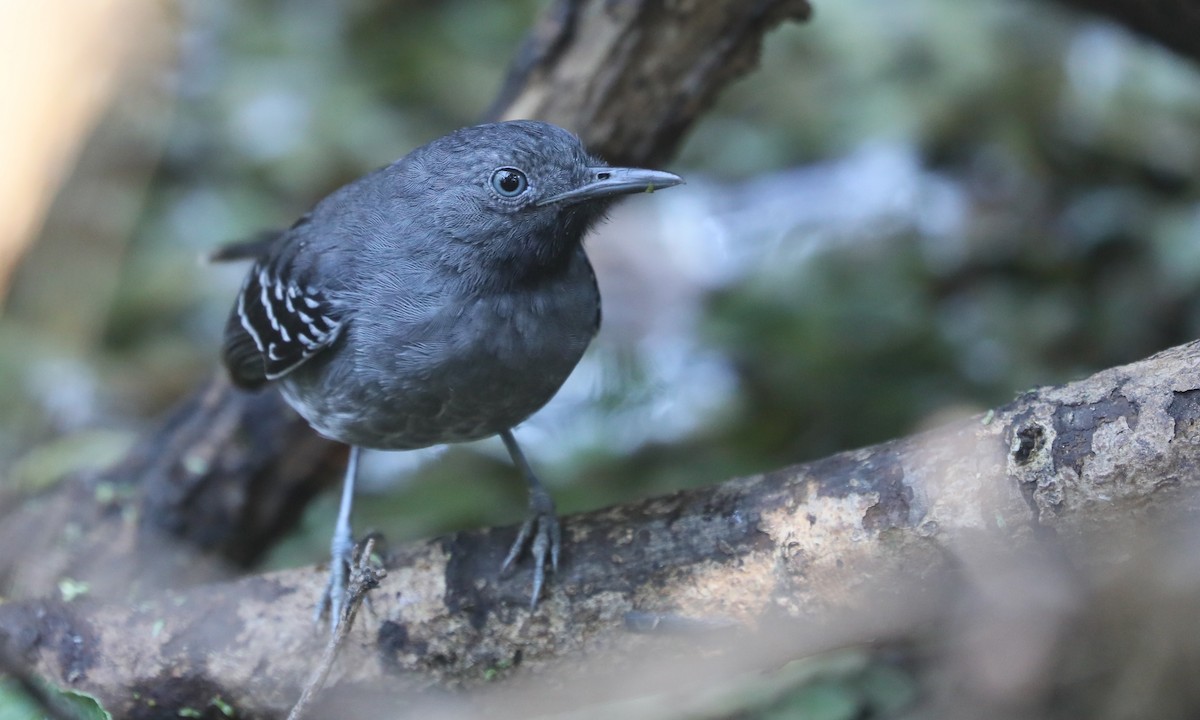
x,y
340,548
541,526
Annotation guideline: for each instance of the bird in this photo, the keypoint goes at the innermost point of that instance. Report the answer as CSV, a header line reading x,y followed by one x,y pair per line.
x,y
443,298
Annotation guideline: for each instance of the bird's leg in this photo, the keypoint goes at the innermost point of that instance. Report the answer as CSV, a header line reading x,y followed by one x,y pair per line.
x,y
340,548
540,530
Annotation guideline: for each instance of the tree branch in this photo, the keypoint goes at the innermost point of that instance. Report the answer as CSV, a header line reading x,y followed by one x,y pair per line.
x,y
1065,464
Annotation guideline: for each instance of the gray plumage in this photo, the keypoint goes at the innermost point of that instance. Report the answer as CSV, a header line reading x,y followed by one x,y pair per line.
x,y
443,298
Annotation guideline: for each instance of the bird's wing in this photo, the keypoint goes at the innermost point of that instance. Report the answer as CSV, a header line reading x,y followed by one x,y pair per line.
x,y
279,320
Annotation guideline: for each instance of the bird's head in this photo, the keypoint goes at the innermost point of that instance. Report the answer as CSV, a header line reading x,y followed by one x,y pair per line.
x,y
522,194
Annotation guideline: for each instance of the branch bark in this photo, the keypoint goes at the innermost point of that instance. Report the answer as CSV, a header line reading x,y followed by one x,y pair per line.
x,y
1066,465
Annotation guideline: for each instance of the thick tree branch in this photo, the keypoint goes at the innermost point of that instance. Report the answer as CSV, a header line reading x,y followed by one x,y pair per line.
x,y
1065,465
632,77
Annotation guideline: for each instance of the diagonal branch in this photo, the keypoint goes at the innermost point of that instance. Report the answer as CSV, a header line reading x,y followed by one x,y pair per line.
x,y
1098,458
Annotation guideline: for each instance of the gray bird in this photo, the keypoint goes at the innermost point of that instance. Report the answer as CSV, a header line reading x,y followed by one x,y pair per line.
x,y
443,298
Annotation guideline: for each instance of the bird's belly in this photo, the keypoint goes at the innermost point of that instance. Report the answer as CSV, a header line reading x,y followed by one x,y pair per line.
x,y
489,370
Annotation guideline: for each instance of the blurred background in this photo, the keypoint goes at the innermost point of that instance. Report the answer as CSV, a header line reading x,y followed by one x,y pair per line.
x,y
911,211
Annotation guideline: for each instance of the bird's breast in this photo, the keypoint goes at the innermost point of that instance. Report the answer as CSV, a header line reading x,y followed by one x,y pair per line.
x,y
452,367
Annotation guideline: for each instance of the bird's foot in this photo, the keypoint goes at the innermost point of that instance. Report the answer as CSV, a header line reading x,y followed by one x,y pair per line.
x,y
542,535
333,599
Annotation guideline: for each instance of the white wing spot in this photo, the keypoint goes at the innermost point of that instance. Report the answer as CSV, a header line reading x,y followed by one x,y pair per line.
x,y
241,311
265,298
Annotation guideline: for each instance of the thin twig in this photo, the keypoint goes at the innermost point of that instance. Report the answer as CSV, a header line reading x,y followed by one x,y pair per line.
x,y
363,579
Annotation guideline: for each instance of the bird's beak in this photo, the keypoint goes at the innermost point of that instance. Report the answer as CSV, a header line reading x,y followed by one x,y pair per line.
x,y
609,181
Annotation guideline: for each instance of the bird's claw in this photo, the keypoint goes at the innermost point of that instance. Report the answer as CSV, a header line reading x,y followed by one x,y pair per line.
x,y
542,534
333,599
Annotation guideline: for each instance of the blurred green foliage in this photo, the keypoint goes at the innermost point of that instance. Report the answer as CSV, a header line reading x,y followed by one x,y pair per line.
x,y
16,705
1046,227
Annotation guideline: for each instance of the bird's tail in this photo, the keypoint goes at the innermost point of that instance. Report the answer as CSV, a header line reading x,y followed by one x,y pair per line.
x,y
251,248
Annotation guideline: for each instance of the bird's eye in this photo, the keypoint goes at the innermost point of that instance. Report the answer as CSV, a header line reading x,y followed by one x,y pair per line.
x,y
509,182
